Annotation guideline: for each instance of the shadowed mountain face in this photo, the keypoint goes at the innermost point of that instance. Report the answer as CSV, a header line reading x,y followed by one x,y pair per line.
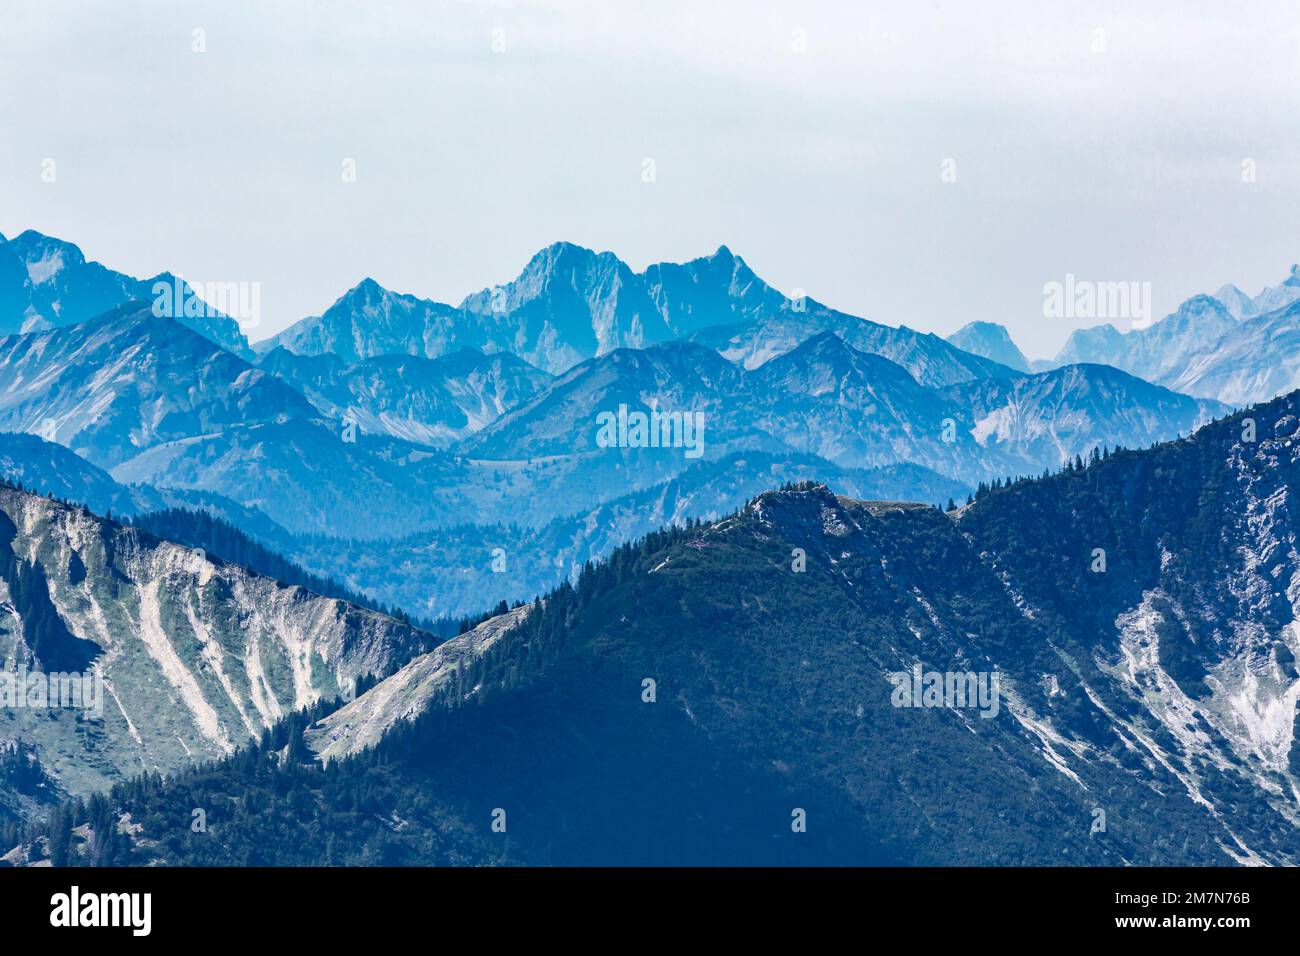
x,y
1164,677
822,680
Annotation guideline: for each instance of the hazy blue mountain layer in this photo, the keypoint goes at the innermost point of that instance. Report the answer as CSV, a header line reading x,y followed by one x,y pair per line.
x,y
48,283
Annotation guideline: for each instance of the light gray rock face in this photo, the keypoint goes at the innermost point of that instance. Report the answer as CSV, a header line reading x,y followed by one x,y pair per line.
x,y
406,694
193,656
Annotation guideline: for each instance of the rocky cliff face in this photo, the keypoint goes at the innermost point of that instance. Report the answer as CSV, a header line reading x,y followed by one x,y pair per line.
x,y
363,722
185,657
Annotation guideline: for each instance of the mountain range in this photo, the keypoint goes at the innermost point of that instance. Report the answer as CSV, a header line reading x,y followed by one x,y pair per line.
x,y
386,426
48,283
729,692
991,341
397,445
852,408
1228,346
650,647
571,304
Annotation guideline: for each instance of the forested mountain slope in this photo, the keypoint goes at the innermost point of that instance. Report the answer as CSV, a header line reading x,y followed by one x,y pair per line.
x,y
729,692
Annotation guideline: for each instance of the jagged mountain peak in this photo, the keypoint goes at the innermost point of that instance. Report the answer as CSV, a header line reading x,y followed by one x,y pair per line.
x,y
721,274
366,293
1160,351
570,303
562,252
991,341
368,286
721,263
47,282
369,320
1234,300
1272,298
1258,359
555,269
1197,305
564,262
369,297
46,256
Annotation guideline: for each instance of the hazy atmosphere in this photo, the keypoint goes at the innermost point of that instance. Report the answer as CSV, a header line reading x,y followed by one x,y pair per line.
x,y
700,435
921,166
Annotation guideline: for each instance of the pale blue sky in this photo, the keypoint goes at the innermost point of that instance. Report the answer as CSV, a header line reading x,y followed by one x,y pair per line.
x,y
821,167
